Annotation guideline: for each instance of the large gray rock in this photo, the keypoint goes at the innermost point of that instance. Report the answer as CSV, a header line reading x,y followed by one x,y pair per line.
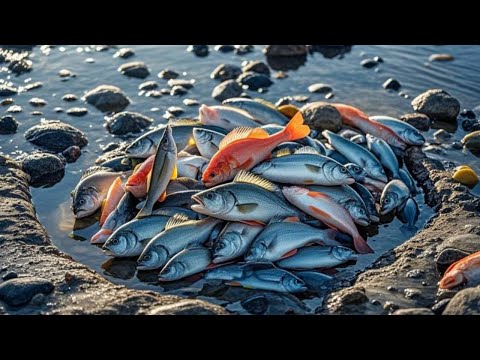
x,y
20,291
127,122
465,302
285,50
107,98
136,69
420,121
322,116
43,168
226,90
55,136
225,72
437,104
414,311
254,81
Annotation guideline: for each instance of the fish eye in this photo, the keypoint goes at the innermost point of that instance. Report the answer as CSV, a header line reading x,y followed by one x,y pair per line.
x,y
81,202
209,196
115,241
147,258
212,175
387,200
356,169
343,170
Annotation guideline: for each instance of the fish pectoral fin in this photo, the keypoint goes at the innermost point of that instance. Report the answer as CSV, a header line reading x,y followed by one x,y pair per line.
x,y
292,219
162,197
247,208
313,168
290,253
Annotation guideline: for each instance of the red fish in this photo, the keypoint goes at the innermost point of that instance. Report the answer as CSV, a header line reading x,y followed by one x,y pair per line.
x,y
137,182
114,195
354,117
243,148
463,271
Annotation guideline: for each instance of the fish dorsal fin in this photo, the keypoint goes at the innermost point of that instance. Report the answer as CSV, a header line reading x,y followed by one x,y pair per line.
x,y
307,150
266,103
283,152
184,122
242,133
178,219
249,178
94,169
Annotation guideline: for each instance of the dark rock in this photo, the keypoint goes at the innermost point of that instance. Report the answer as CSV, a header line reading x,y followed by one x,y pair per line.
x,y
319,88
243,49
469,243
199,50
185,307
36,113
33,86
420,121
465,302
256,66
469,114
10,275
124,53
190,102
440,57
77,111
175,110
434,149
467,125
415,274
285,50
71,154
187,84
369,63
178,90
136,69
256,305
300,98
225,72
284,101
285,63
8,125
55,136
148,85
14,109
69,97
392,84
322,116
441,136
107,98
331,51
414,311
448,256
456,145
378,59
20,291
168,74
6,90
437,105
44,169
65,73
6,102
58,110
439,307
226,90
127,122
38,299
224,48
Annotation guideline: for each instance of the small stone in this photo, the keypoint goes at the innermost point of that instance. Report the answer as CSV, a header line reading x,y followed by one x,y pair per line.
x,y
8,125
439,307
9,275
168,74
286,100
110,146
440,57
38,299
178,90
243,49
256,66
415,274
319,88
391,84
322,116
107,98
225,72
77,111
124,53
456,145
65,73
441,136
20,291
136,69
329,96
300,98
127,122
375,302
224,48
414,311
153,94
285,50
434,149
175,110
256,305
354,296
69,97
390,306
199,50
14,109
33,86
411,293
6,90
378,59
392,288
420,121
190,102
468,114
437,105
187,84
148,85
55,136
89,60
43,168
166,91
58,110
254,81
226,90
280,75
369,63
6,102
36,113
71,154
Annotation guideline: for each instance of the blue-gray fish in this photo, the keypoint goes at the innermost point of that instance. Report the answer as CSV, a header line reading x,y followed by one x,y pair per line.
x,y
384,153
187,262
361,176
335,155
405,131
408,180
408,214
357,154
207,141
314,257
191,166
393,196
368,200
262,113
315,281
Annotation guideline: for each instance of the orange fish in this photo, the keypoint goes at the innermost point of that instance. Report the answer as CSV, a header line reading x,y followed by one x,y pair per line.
x,y
114,195
137,182
354,117
243,148
462,271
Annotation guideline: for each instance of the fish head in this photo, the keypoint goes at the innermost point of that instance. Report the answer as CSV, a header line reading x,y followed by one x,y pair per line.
x,y
172,272
142,148
208,115
85,202
388,202
201,136
152,257
452,279
341,174
227,246
343,253
167,143
414,137
378,173
356,171
292,283
359,214
216,172
256,252
120,243
261,168
214,201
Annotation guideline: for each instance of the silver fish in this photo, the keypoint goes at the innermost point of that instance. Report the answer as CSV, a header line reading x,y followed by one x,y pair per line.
x,y
180,232
286,148
187,262
306,166
408,180
315,280
357,154
261,112
335,155
162,170
234,241
384,153
405,131
393,196
226,117
281,238
191,166
130,238
247,198
368,200
408,214
273,279
207,141
314,257
361,176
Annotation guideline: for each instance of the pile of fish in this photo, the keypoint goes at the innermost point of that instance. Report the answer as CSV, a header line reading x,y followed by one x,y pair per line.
x,y
247,195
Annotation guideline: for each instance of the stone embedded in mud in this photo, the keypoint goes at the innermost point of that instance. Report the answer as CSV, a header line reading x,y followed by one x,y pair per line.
x,y
254,81
465,302
285,50
6,90
256,66
127,122
136,69
186,307
226,90
322,116
414,311
420,121
225,72
107,98
55,135
168,74
437,104
20,291
124,53
44,169
72,153
8,125
77,111
320,88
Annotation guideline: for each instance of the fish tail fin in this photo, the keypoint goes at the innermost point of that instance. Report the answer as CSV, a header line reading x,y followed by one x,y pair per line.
x,y
361,245
295,129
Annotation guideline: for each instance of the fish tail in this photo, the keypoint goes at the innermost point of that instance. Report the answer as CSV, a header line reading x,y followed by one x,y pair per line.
x,y
361,245
295,129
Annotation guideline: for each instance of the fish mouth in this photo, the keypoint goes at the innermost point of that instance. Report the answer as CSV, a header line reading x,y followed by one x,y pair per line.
x,y
144,267
350,181
198,200
363,222
108,252
375,218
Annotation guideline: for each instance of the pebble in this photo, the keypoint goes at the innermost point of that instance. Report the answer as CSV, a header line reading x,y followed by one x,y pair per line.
x,y
224,48
437,105
415,274
469,114
153,93
20,291
136,69
190,102
319,88
254,81
199,50
166,91
284,101
467,125
369,63
392,84
6,90
434,149
69,97
8,125
124,53
472,141
456,145
187,84
440,57
420,121
392,288
72,153
378,59
107,98
300,98
413,311
178,90
411,293
243,49
14,109
226,90
175,110
148,85
390,306
440,306
36,113
77,111
441,136
322,116
6,102
225,72
43,168
65,73
10,275
89,60
285,50
58,110
466,176
55,136
256,66
168,74
33,86
329,96
280,75
127,122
